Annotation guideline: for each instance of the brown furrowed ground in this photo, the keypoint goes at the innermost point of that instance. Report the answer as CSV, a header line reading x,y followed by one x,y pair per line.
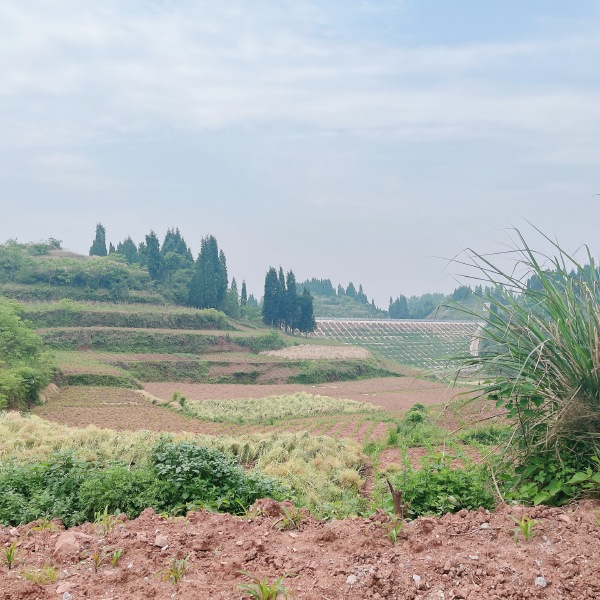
x,y
390,393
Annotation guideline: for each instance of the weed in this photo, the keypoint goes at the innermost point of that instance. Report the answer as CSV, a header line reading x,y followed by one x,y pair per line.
x,y
44,576
97,559
43,524
394,528
175,570
10,555
116,556
105,521
261,589
525,526
291,519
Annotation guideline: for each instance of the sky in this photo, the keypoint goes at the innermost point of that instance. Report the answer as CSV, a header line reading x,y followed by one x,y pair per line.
x,y
355,140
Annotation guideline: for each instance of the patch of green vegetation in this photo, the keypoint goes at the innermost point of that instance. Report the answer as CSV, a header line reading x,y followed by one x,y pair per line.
x,y
178,476
101,379
68,313
321,371
25,367
416,429
153,341
437,487
192,371
539,363
319,471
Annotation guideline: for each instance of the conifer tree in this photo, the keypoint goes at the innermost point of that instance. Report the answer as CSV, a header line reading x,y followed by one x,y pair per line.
x,y
306,320
128,249
291,303
351,290
153,258
111,248
98,247
244,295
270,308
208,285
231,305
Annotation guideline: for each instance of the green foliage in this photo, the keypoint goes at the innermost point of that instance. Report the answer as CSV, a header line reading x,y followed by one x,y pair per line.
x,y
207,477
175,570
179,476
99,244
261,589
261,342
438,488
550,479
68,313
541,363
416,429
24,367
525,526
10,555
487,435
119,489
208,286
320,371
101,379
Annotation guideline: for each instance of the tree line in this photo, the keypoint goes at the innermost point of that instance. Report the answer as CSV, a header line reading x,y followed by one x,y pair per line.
x,y
201,283
283,307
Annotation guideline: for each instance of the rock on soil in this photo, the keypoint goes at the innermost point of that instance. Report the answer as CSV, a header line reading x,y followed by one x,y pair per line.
x,y
469,555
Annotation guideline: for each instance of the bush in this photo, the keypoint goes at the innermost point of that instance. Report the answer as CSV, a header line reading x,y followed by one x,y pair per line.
x,y
207,477
437,488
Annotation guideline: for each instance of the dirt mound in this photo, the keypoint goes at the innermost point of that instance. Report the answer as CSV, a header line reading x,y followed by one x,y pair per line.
x,y
469,555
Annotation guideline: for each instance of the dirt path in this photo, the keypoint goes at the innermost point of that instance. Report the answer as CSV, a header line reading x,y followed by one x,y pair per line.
x,y
470,555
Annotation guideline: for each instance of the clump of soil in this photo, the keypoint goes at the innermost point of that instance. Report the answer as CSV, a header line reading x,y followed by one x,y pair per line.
x,y
471,555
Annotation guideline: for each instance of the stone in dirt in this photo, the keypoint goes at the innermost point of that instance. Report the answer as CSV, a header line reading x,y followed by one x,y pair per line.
x,y
69,544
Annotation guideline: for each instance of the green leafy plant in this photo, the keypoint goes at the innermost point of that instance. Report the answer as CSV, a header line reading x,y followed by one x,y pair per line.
x,y
175,570
291,519
438,488
105,521
394,528
10,555
97,559
525,526
116,556
43,524
261,589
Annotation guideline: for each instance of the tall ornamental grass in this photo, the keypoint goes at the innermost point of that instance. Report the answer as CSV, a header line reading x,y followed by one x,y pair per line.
x,y
539,352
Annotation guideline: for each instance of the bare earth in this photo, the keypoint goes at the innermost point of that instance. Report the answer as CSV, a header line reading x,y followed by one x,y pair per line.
x,y
469,555
309,351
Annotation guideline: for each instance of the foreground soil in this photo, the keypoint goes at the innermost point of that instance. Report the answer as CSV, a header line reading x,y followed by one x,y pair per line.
x,y
468,555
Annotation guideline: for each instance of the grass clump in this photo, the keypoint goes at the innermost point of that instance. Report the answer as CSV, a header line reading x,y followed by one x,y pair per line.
x,y
274,408
540,359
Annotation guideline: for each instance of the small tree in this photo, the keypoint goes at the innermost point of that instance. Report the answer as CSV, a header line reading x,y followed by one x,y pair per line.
x,y
98,247
153,258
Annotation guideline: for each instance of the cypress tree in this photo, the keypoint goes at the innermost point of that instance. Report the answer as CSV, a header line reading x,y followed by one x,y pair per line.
x,y
281,309
111,248
128,249
153,258
208,286
291,303
306,320
244,295
98,247
270,308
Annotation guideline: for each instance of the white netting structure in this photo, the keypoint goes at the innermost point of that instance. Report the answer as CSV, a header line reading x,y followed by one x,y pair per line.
x,y
423,344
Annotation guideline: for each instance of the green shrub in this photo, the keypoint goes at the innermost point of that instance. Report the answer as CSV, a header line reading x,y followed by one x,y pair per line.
x,y
120,489
437,488
204,476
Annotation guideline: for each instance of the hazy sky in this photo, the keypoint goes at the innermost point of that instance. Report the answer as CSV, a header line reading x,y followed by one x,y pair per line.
x,y
351,140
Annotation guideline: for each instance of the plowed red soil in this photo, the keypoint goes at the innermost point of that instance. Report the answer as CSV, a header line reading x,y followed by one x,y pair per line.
x,y
469,555
391,393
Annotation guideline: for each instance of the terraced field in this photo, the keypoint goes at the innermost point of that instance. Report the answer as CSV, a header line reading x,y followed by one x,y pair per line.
x,y
422,344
